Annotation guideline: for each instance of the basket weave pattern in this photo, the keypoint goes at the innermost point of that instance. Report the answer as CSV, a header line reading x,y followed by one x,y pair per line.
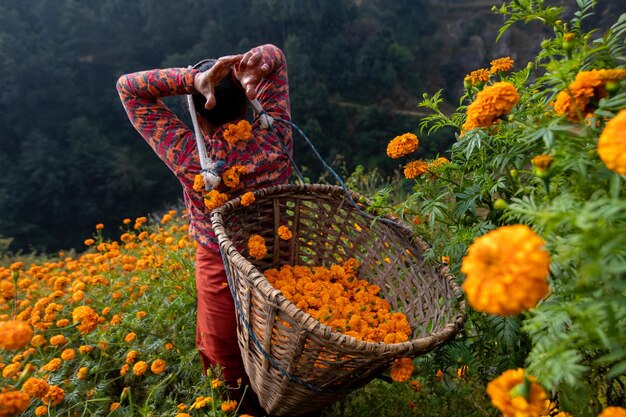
x,y
296,364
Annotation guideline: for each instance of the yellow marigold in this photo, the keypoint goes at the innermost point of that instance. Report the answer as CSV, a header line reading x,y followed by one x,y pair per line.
x,y
612,144
501,65
415,168
479,76
402,145
491,103
613,412
86,317
15,334
402,369
130,337
35,387
247,199
214,199
158,366
229,406
216,383
284,233
236,132
68,354
42,410
256,247
83,373
231,176
200,402
140,368
506,271
516,394
55,396
13,403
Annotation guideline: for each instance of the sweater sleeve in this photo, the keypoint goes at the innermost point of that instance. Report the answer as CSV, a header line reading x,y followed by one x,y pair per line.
x,y
273,90
167,135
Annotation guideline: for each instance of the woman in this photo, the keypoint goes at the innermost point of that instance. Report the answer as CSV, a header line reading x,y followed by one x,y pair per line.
x,y
221,89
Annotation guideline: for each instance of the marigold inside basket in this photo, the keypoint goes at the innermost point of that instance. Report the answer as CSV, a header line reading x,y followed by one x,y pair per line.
x,y
290,354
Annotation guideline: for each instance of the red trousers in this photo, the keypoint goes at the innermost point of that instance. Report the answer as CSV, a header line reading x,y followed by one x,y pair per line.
x,y
216,330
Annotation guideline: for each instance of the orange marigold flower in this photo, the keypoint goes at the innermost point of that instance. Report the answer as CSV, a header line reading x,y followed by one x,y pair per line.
x,y
38,340
256,247
114,406
13,403
35,387
198,182
229,406
99,226
612,144
576,101
141,314
479,76
130,337
516,394
231,176
131,356
415,385
42,410
182,415
55,396
68,354
83,373
15,334
247,199
402,145
415,168
53,365
462,371
236,132
168,346
506,271
437,163
140,368
58,340
542,162
501,65
158,366
613,412
124,369
216,383
439,375
89,242
402,369
491,103
85,349
284,233
214,199
86,317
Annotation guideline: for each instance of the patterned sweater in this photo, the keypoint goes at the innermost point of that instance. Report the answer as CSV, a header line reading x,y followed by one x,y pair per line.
x,y
263,156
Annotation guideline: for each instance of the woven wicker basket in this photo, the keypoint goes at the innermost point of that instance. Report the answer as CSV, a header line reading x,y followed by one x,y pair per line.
x,y
296,364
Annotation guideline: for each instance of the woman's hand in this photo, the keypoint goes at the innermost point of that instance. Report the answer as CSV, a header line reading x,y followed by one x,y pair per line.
x,y
205,82
250,71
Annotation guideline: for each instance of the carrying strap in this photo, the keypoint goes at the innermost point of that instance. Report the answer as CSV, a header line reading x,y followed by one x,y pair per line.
x,y
207,165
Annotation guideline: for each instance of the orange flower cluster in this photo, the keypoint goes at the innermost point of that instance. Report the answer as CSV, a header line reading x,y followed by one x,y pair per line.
x,y
506,271
612,144
198,183
613,412
230,177
284,233
15,334
581,96
242,131
13,403
480,76
256,247
415,168
402,369
501,65
402,145
214,199
491,103
247,199
337,298
86,318
516,394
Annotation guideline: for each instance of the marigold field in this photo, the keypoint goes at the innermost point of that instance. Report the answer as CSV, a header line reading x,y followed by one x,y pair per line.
x,y
527,209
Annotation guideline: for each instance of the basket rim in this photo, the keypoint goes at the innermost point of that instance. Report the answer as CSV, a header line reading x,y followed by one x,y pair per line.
x,y
307,321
